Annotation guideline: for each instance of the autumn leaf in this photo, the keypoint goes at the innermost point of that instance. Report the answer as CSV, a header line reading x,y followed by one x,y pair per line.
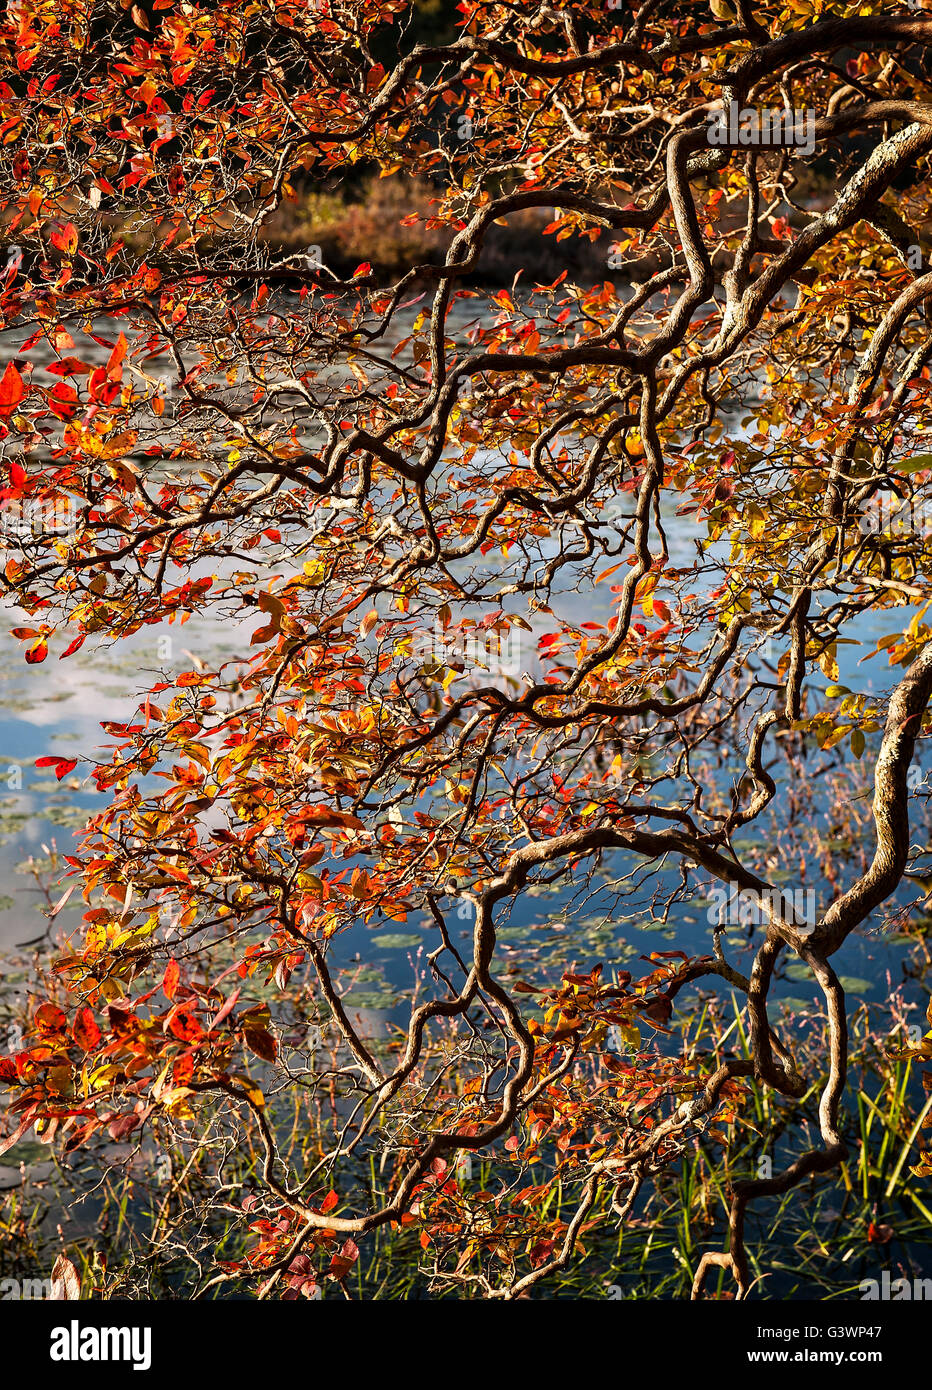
x,y
86,1032
37,652
171,979
12,390
65,238
261,1042
49,1018
62,766
342,1263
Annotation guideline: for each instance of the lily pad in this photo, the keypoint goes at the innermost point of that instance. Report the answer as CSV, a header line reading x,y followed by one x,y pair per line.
x,y
793,1005
369,999
397,940
28,1151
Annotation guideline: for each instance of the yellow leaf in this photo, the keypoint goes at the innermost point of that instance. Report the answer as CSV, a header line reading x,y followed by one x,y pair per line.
x,y
829,663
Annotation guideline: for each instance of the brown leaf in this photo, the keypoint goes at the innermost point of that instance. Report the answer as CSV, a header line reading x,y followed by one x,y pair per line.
x,y
66,1282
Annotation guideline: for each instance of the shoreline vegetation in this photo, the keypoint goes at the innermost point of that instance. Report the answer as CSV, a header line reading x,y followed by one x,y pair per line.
x,y
374,224
121,1234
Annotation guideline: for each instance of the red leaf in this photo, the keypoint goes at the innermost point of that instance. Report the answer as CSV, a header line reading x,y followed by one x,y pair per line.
x,y
12,390
171,979
184,1026
341,1264
183,1069
261,1042
49,1018
122,1126
66,238
69,366
224,1012
86,1031
62,766
38,652
115,362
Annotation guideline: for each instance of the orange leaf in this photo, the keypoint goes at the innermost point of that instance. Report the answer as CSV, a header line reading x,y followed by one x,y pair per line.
x,y
86,1031
66,238
171,978
12,390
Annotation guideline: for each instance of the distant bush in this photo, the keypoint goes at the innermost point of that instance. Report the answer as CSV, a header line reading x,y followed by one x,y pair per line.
x,y
375,225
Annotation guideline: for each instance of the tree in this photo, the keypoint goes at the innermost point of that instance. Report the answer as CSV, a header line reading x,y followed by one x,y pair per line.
x,y
416,495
